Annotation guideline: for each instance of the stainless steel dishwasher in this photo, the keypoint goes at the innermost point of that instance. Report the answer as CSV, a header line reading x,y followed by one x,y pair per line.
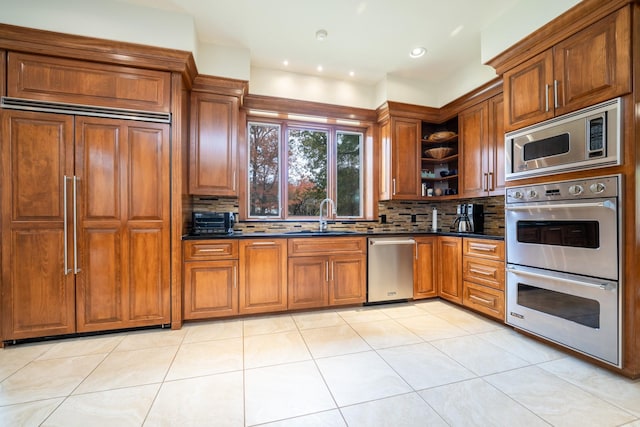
x,y
390,269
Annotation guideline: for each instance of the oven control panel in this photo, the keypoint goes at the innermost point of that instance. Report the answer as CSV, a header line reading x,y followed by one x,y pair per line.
x,y
589,188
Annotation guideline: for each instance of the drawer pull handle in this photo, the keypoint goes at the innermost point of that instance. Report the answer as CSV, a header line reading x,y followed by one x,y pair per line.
x,y
263,243
482,272
211,250
484,248
482,300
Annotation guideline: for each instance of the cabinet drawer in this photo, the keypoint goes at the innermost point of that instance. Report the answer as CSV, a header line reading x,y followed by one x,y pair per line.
x,y
484,271
210,250
484,248
483,299
327,246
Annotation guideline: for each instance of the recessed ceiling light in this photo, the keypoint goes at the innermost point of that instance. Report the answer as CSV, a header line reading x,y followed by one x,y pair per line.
x,y
417,52
285,62
321,35
352,73
319,68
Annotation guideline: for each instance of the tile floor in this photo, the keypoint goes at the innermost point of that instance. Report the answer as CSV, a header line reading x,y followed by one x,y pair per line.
x,y
414,364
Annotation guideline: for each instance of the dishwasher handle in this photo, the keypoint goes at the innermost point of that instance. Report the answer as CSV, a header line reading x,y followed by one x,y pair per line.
x,y
373,242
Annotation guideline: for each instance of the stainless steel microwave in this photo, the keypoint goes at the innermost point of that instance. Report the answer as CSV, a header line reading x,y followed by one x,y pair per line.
x,y
585,139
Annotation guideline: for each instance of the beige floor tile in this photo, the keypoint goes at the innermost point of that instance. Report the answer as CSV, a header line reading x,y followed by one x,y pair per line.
x,y
362,314
406,410
334,341
430,328
320,319
635,423
214,400
125,407
435,305
269,325
28,414
470,322
83,346
321,419
606,385
385,333
13,358
284,391
206,358
274,349
479,356
396,311
46,379
212,330
360,377
151,338
557,401
129,368
423,366
476,403
522,346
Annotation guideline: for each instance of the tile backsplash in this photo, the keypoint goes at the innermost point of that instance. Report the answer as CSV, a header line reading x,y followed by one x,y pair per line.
x,y
393,216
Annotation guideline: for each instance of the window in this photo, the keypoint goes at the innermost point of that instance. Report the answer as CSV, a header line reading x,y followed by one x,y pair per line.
x,y
293,167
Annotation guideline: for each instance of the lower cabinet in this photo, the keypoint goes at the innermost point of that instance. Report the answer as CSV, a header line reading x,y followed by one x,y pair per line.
x,y
424,268
484,276
326,271
263,275
449,268
210,279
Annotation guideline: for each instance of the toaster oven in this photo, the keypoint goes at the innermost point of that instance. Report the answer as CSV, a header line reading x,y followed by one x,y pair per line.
x,y
204,223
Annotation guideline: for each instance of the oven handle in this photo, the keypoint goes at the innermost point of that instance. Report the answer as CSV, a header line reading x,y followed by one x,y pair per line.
x,y
603,286
606,204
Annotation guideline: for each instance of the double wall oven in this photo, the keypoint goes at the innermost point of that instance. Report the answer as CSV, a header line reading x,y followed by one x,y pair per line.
x,y
564,249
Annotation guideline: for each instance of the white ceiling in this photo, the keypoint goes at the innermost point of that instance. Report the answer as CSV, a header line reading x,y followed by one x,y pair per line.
x,y
370,37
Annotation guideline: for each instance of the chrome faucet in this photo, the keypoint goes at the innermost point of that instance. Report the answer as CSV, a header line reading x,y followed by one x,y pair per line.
x,y
323,222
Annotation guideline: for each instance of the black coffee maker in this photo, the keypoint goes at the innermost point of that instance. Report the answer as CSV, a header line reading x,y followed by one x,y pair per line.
x,y
469,218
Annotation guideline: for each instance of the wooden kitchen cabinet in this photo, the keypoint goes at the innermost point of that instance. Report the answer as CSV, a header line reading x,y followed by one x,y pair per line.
x,y
425,263
213,156
400,159
85,228
589,67
482,141
210,278
484,276
263,275
326,272
449,268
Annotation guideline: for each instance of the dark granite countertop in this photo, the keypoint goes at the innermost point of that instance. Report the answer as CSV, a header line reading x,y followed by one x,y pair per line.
x,y
334,233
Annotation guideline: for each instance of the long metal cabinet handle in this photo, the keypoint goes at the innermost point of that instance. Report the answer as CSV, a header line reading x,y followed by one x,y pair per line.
x,y
482,300
485,182
605,286
391,242
555,93
607,204
326,271
546,97
269,243
235,277
491,187
393,182
76,270
67,270
416,245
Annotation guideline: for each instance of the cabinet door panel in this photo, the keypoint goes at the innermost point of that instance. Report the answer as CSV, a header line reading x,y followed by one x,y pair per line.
x,y
495,156
263,271
348,280
406,159
37,297
595,64
527,90
213,155
473,124
450,268
210,289
424,268
307,282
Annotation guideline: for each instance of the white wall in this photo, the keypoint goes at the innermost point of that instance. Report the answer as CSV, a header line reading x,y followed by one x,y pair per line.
x,y
223,61
103,19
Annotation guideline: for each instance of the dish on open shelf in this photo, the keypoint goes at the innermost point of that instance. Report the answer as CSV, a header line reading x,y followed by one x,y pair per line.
x,y
438,152
441,136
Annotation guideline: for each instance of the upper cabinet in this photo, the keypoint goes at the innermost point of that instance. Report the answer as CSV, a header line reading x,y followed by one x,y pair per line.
x,y
591,66
482,148
213,160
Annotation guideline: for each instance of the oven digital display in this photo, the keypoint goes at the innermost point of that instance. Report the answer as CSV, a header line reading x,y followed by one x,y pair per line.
x,y
596,134
578,234
577,309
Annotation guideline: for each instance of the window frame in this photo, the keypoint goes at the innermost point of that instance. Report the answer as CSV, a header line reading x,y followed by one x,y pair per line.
x,y
332,127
